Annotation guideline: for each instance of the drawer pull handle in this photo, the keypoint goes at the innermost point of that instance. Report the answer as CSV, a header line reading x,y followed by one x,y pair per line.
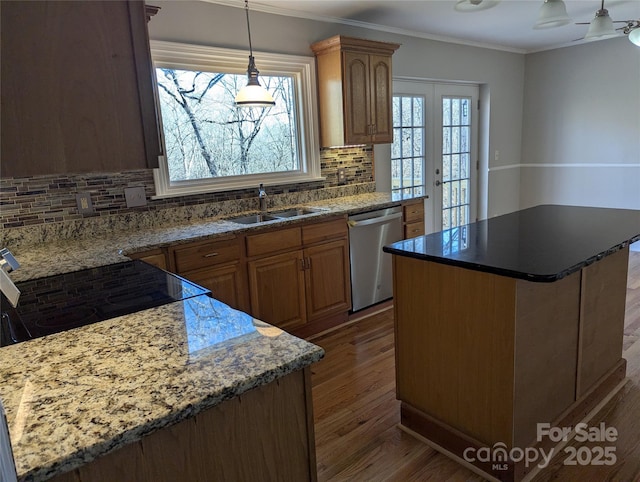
x,y
210,255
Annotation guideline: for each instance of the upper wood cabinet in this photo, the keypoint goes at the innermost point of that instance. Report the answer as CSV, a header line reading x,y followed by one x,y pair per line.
x,y
77,88
354,91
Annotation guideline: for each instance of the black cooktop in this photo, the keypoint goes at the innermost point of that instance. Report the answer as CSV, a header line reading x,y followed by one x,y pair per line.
x,y
62,302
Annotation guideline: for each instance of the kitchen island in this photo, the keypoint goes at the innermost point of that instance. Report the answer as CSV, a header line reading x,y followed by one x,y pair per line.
x,y
509,323
192,390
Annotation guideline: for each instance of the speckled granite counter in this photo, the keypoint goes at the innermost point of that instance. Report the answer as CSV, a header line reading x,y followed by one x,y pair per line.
x,y
73,396
87,251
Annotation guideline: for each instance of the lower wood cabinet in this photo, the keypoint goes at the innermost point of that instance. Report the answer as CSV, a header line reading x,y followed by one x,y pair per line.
x,y
295,289
226,282
216,265
413,218
296,278
277,288
327,279
264,434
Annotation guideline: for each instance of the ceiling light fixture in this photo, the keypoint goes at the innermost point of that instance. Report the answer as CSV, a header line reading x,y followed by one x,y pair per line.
x,y
474,5
553,13
633,31
253,94
601,27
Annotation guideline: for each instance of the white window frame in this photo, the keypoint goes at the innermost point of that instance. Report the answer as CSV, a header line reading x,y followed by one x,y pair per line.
x,y
214,59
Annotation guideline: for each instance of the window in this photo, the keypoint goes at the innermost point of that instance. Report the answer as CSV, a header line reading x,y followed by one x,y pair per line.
x,y
210,144
407,150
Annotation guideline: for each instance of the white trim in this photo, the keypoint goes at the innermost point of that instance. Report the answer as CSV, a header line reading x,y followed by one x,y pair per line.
x,y
302,69
582,164
568,165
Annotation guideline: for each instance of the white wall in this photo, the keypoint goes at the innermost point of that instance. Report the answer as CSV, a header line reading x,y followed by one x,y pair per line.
x,y
501,74
581,128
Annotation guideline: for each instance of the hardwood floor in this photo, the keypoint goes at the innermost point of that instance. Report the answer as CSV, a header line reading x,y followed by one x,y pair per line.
x,y
357,415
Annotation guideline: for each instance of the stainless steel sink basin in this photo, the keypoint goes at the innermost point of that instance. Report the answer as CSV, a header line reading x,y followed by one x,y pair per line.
x,y
252,219
290,213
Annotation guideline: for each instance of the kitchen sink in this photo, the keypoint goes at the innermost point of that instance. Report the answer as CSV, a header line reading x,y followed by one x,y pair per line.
x,y
253,219
290,213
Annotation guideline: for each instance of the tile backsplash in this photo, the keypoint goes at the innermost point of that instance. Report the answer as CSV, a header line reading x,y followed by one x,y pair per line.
x,y
49,202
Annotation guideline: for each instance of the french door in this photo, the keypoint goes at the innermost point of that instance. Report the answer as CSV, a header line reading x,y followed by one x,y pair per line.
x,y
449,145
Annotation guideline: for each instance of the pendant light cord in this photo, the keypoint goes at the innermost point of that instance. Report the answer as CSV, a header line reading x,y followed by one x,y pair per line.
x,y
246,8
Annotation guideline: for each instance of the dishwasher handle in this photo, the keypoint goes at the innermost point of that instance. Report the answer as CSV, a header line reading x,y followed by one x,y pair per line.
x,y
378,220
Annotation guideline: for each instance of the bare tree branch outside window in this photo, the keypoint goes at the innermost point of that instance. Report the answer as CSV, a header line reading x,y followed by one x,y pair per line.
x,y
207,136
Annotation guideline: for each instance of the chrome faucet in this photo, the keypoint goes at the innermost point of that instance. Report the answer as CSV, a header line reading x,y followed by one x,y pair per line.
x,y
7,264
262,199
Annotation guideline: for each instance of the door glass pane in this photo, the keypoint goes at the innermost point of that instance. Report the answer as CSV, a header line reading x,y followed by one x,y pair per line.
x,y
418,108
455,112
446,140
446,168
455,167
446,112
446,194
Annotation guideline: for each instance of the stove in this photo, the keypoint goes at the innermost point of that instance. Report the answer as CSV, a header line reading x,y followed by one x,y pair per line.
x,y
62,302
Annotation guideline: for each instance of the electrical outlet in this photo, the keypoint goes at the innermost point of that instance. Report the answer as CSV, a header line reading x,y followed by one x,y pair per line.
x,y
83,200
342,175
135,197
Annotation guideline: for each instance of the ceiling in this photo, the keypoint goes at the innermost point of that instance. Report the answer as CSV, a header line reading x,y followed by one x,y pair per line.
x,y
506,26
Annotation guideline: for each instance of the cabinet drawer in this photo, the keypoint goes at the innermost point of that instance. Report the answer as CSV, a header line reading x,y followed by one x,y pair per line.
x,y
208,254
271,242
412,230
413,212
154,257
315,233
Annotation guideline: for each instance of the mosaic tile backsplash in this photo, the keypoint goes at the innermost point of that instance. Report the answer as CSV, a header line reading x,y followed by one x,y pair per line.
x,y
48,203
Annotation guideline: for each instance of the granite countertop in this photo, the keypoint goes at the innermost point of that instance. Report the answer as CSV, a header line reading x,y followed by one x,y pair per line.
x,y
73,396
543,243
90,251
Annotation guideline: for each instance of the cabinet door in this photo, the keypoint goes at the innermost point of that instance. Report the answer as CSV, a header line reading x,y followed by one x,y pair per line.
x,y
276,285
381,95
77,92
327,279
356,109
226,283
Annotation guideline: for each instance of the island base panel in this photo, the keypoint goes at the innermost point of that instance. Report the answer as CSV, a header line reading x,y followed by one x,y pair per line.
x,y
263,434
453,442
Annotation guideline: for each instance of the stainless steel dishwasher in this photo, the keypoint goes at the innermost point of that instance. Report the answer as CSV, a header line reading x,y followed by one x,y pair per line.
x,y
371,276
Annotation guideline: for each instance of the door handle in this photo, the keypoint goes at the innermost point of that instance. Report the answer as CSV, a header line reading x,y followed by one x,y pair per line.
x,y
438,183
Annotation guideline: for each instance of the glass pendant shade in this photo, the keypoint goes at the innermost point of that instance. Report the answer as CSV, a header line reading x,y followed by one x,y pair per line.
x,y
253,94
634,36
553,13
474,5
601,27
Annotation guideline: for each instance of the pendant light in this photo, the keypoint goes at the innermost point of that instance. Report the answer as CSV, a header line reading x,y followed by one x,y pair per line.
x,y
474,5
633,30
253,94
601,27
553,13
